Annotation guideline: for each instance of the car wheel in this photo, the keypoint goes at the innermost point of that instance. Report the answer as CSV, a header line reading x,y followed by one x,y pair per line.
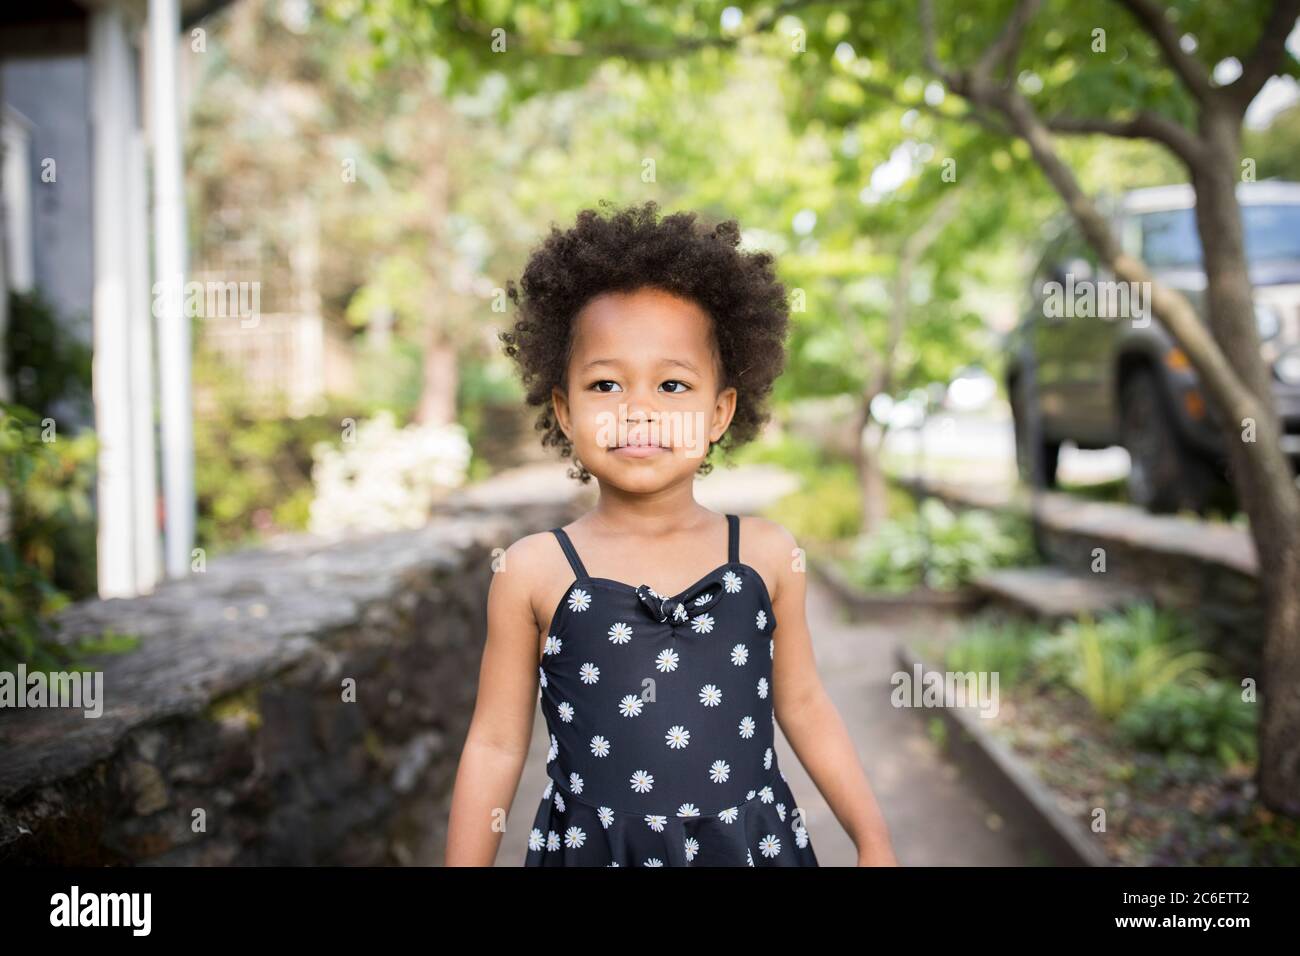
x,y
1164,474
1050,450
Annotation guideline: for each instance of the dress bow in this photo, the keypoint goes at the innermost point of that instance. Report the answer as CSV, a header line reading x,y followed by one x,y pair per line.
x,y
690,608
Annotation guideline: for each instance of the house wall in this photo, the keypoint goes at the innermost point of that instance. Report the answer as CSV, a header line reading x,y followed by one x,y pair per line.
x,y
52,94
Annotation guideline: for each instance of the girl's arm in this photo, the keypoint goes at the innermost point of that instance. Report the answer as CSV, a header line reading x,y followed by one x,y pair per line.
x,y
805,712
501,729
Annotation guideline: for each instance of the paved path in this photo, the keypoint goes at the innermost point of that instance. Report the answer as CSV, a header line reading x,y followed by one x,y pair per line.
x,y
934,819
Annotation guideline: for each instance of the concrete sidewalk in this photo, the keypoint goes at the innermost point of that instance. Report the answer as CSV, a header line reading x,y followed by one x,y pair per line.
x,y
934,818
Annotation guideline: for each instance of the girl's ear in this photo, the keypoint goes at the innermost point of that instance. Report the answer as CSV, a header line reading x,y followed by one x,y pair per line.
x,y
724,409
560,404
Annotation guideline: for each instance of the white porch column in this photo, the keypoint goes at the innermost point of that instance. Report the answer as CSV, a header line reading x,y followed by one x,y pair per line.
x,y
110,78
169,266
144,452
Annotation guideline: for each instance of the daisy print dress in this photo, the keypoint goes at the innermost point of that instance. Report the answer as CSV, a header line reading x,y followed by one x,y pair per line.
x,y
661,724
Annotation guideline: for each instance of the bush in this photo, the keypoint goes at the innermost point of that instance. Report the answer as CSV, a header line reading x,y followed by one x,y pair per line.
x,y
46,487
827,507
1004,646
387,478
254,473
45,362
1121,659
938,549
1209,720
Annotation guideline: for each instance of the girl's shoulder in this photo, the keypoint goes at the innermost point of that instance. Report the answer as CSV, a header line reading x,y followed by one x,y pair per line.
x,y
770,549
534,569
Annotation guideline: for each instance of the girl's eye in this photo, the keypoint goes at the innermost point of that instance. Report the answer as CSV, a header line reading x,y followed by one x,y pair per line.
x,y
675,381
605,381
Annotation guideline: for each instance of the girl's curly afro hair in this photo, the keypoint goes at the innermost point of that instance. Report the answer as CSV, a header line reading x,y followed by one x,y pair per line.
x,y
631,250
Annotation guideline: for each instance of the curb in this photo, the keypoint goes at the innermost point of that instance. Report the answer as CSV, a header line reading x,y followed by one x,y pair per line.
x,y
1010,785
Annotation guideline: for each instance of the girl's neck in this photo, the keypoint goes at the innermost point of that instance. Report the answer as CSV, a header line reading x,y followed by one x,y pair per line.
x,y
672,508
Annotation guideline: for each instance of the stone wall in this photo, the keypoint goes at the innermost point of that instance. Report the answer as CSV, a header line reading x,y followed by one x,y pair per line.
x,y
225,737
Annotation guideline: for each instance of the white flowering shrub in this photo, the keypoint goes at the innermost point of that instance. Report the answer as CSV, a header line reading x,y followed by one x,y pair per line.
x,y
386,478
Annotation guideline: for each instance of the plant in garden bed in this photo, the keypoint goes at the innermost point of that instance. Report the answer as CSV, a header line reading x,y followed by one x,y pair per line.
x,y
1120,660
995,645
1126,714
1208,720
937,548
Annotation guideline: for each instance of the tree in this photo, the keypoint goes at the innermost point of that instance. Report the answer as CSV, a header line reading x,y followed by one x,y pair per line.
x,y
1226,354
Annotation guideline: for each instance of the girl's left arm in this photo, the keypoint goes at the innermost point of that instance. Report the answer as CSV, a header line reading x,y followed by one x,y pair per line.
x,y
806,714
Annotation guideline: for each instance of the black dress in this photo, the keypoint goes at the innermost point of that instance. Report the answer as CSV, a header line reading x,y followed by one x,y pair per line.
x,y
662,727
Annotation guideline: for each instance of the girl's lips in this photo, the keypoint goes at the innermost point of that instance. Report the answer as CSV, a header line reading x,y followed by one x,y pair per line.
x,y
638,451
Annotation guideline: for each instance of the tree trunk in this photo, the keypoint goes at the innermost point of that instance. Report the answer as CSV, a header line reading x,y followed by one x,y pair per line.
x,y
871,476
437,404
1268,493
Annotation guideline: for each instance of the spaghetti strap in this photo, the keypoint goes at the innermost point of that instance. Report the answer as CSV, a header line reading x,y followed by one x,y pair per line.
x,y
571,553
733,539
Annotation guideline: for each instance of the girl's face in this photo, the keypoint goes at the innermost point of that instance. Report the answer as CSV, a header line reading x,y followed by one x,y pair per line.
x,y
644,394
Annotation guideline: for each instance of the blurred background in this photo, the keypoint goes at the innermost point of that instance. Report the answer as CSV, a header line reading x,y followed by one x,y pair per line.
x,y
256,411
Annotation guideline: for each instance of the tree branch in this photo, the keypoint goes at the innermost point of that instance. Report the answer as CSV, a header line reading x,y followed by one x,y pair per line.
x,y
1145,125
1268,55
1005,50
910,252
972,115
932,61
1152,15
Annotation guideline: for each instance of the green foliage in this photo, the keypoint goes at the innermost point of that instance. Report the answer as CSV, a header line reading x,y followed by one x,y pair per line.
x,y
1276,150
787,450
46,485
1209,720
45,362
827,506
938,548
1001,645
1120,659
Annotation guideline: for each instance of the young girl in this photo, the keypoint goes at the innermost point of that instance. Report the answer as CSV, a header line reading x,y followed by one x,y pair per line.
x,y
664,640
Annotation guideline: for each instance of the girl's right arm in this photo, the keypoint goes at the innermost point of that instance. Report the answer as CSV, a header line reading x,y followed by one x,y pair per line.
x,y
501,728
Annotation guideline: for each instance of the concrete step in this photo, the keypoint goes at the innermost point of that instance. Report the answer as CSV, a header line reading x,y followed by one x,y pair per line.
x,y
1052,592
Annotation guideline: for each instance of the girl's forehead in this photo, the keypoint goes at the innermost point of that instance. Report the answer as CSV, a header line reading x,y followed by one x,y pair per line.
x,y
640,323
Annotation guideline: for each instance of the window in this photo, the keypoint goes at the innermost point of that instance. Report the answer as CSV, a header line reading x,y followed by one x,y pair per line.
x,y
1170,239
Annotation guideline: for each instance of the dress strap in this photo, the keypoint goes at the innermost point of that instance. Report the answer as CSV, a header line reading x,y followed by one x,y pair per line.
x,y
733,539
571,553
